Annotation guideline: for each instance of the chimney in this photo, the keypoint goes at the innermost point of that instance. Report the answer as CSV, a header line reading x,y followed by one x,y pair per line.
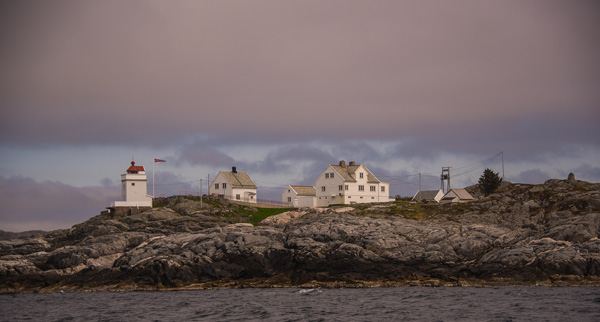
x,y
233,169
343,163
352,163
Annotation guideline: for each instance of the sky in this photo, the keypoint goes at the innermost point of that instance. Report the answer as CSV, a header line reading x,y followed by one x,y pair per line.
x,y
281,89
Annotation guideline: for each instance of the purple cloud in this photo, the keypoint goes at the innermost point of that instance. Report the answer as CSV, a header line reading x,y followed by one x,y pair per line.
x,y
48,205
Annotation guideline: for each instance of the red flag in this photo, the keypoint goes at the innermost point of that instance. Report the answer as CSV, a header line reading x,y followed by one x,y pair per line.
x,y
159,160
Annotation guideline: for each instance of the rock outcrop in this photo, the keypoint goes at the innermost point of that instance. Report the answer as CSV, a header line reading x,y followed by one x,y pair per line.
x,y
523,234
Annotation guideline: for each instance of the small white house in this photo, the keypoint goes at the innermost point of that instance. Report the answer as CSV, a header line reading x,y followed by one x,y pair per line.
x,y
343,184
457,195
300,196
429,195
234,185
134,188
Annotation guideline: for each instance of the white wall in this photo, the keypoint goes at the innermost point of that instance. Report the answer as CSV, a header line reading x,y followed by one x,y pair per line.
x,y
353,194
246,195
297,201
331,195
134,187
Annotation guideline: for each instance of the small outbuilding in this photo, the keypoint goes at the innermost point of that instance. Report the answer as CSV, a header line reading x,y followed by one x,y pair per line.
x,y
300,196
429,195
457,195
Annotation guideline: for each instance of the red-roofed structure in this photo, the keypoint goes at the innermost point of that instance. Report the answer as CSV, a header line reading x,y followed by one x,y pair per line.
x,y
135,168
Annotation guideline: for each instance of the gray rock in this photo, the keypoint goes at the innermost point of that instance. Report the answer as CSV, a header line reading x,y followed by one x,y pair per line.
x,y
525,233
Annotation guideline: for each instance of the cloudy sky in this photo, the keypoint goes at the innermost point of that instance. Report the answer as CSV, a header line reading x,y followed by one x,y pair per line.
x,y
280,89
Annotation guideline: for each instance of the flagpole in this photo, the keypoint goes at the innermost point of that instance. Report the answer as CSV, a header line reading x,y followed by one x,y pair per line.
x,y
153,162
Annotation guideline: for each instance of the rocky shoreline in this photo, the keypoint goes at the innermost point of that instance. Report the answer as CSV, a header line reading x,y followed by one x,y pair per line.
x,y
522,235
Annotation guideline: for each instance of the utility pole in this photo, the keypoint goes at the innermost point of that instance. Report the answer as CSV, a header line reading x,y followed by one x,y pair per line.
x,y
420,194
200,193
208,184
503,166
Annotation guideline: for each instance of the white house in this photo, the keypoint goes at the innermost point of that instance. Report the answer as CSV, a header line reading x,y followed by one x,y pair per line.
x,y
429,195
349,184
457,195
234,185
134,188
300,196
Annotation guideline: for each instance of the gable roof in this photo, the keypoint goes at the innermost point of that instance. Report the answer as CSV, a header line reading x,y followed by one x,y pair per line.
x,y
348,173
461,194
239,179
426,195
305,190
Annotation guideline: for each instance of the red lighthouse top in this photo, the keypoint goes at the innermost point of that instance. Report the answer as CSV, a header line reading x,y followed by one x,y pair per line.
x,y
135,168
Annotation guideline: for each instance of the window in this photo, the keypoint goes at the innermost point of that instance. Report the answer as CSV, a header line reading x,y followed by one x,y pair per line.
x,y
382,188
346,187
326,175
340,187
237,197
133,183
372,188
331,175
224,185
361,188
289,199
289,190
323,188
372,197
216,186
362,175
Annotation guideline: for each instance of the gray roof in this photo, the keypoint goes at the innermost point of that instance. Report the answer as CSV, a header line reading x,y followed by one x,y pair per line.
x,y
239,179
305,190
348,173
426,195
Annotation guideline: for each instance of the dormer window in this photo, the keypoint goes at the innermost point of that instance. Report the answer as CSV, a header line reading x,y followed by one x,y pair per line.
x,y
361,175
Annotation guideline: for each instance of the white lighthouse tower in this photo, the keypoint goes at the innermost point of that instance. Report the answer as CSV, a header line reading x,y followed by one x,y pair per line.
x,y
134,189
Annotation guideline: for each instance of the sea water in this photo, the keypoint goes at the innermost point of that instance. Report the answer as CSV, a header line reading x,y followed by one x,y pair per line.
x,y
574,304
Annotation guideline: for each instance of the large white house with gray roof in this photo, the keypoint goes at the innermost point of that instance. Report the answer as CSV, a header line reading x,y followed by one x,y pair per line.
x,y
234,185
343,184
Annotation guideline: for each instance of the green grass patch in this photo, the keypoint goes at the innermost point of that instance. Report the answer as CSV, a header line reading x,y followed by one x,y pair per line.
x,y
263,213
